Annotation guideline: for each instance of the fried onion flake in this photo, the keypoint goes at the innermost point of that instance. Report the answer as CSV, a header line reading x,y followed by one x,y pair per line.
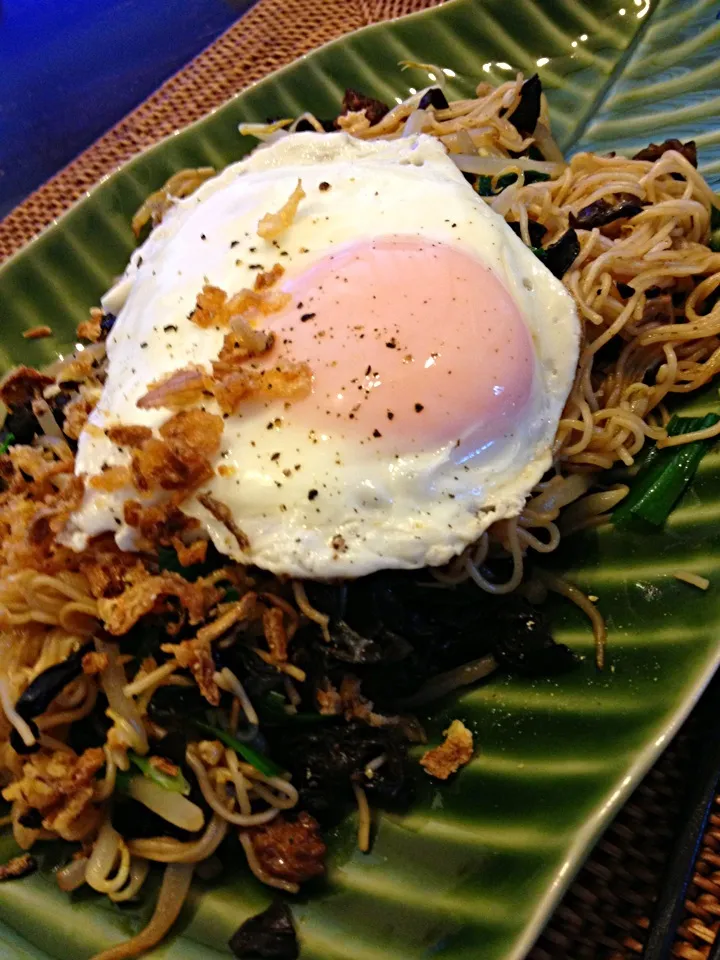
x,y
272,225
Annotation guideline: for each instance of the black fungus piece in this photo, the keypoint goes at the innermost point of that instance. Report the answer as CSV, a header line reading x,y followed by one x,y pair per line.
x,y
175,707
625,290
135,821
655,150
36,698
349,646
22,424
659,309
57,405
536,231
258,677
107,322
18,744
561,255
602,212
32,819
435,98
93,731
330,598
395,630
525,115
144,638
399,630
172,746
325,761
524,645
269,935
356,102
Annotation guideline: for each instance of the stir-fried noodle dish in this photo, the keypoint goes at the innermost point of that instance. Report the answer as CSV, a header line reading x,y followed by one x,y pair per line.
x,y
250,531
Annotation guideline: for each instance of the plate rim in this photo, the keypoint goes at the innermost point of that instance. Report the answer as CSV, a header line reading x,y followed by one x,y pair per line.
x,y
599,820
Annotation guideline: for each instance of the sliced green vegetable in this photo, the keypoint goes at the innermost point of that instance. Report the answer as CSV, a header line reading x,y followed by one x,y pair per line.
x,y
485,188
664,476
535,176
714,241
6,443
254,757
122,781
175,783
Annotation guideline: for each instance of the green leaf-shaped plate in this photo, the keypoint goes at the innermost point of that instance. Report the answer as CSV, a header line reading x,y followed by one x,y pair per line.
x,y
474,871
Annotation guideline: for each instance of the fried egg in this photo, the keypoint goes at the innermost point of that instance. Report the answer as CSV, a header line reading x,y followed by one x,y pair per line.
x,y
442,352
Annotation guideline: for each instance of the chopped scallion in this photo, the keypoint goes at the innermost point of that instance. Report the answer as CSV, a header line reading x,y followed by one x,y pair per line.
x,y
254,757
665,475
714,241
175,783
484,185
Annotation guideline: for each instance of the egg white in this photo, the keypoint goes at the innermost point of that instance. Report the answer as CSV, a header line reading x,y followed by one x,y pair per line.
x,y
420,509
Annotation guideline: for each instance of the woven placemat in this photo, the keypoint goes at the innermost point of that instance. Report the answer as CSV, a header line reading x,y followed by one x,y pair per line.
x,y
270,35
606,913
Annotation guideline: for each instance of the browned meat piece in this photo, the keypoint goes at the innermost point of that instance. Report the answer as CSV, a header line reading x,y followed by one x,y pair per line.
x,y
356,102
293,851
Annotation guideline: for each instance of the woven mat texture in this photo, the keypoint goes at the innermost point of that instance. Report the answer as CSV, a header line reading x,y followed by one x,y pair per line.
x,y
255,46
606,913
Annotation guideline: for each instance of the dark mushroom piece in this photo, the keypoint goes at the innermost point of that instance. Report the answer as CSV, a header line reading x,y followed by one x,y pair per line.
x,y
435,98
269,935
603,212
655,150
536,231
526,114
561,255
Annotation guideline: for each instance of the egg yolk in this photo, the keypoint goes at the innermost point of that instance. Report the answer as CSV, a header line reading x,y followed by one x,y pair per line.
x,y
414,344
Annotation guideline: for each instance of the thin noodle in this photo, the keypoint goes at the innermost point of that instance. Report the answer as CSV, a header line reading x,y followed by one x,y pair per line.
x,y
363,839
168,850
310,612
569,590
262,875
239,819
694,579
174,890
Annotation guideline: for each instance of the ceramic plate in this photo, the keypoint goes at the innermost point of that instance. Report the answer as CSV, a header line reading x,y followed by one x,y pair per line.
x,y
473,872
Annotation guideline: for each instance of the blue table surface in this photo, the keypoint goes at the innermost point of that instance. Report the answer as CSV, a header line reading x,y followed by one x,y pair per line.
x,y
70,69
